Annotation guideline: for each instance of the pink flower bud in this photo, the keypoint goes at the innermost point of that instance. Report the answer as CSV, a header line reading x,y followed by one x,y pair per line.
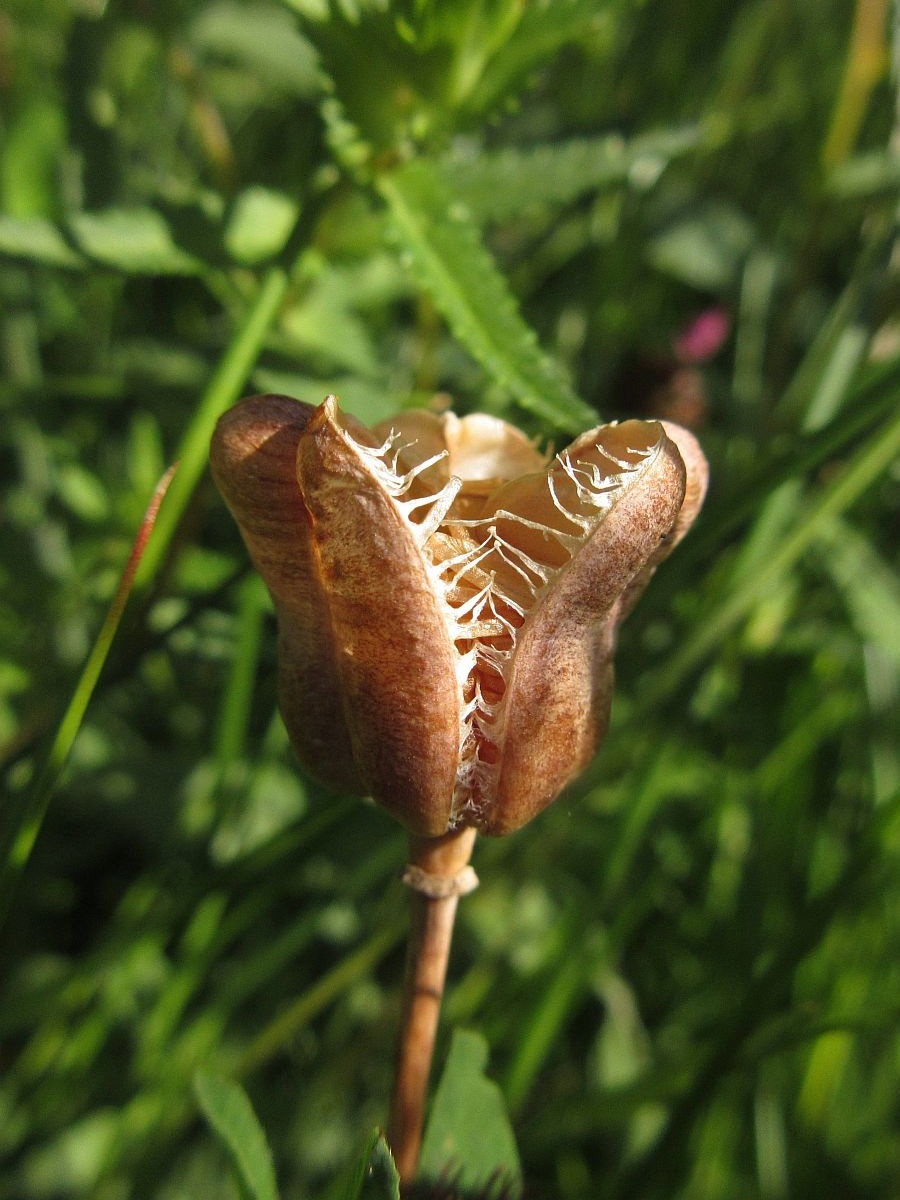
x,y
703,337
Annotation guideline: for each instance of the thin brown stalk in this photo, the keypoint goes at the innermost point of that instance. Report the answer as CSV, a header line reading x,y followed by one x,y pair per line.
x,y
432,860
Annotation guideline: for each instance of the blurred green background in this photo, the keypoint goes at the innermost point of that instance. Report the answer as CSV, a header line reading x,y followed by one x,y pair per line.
x,y
688,969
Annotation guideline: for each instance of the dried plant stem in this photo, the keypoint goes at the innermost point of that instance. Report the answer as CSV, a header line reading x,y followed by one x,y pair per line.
x,y
438,874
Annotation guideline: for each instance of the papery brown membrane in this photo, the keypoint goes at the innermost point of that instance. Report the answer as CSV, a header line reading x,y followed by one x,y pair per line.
x,y
397,663
366,676
447,599
560,689
254,462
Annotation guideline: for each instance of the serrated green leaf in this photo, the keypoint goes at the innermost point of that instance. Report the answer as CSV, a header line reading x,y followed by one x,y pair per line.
x,y
469,1135
229,1112
447,255
497,186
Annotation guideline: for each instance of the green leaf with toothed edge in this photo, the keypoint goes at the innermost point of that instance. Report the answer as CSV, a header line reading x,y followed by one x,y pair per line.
x,y
448,258
498,185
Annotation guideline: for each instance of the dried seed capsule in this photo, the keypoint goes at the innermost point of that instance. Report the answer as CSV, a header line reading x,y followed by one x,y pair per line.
x,y
448,599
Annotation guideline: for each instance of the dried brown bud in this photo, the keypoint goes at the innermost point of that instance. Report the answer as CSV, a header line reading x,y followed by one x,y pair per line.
x,y
447,598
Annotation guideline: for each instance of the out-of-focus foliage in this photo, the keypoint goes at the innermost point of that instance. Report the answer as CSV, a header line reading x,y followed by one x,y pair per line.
x,y
468,1136
687,969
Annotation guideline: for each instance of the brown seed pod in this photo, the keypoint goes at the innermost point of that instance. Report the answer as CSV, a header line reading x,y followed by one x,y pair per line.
x,y
447,598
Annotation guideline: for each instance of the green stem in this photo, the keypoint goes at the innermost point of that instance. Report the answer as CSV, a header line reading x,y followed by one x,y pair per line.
x,y
143,566
222,391
23,829
286,1025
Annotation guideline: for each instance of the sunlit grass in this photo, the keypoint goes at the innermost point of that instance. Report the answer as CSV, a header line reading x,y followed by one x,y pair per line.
x,y
686,969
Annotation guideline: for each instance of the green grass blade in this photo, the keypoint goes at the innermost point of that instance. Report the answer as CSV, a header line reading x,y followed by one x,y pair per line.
x,y
223,390
820,385
19,842
349,1186
869,584
860,472
313,1000
450,261
237,698
871,402
542,1028
380,1179
541,32
229,1112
